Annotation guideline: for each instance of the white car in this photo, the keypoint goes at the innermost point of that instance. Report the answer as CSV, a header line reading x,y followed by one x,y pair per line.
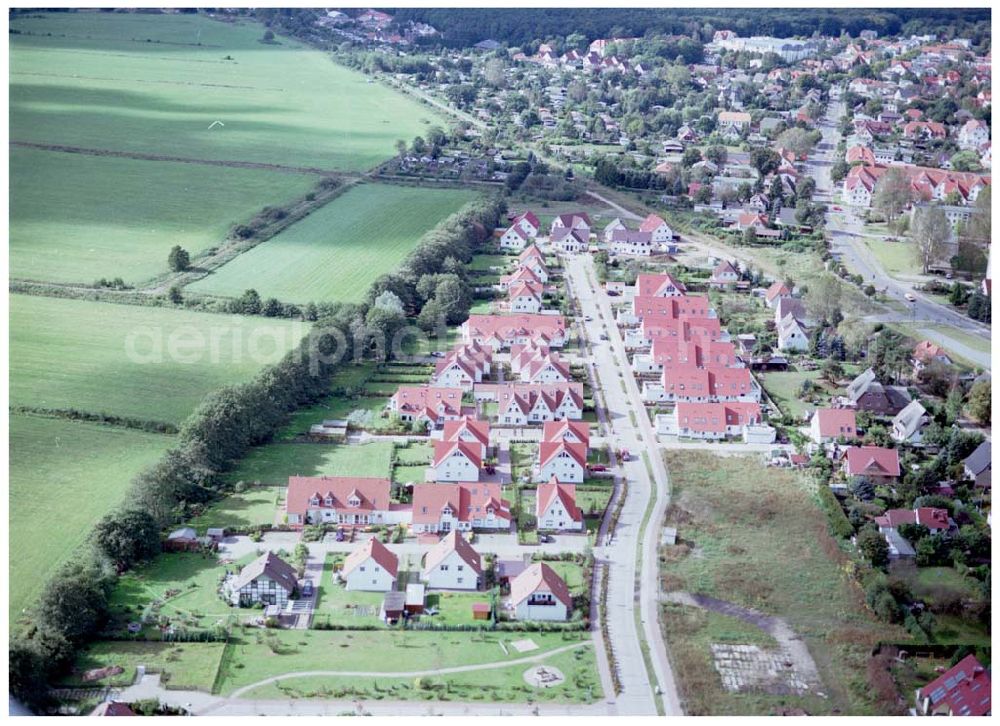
x,y
910,296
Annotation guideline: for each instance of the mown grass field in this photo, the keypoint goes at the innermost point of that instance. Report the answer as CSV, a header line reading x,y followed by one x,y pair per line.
x,y
181,665
151,363
256,505
77,218
274,463
757,538
155,83
335,253
64,476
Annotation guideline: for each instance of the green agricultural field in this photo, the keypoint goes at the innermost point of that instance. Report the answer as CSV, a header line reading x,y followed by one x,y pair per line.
x,y
68,472
77,218
335,253
181,665
274,463
117,359
155,84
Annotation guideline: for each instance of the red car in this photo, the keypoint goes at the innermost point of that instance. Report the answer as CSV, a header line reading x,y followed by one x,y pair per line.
x,y
597,467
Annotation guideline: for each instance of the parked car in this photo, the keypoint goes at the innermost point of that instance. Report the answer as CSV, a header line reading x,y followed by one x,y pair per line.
x,y
613,293
546,538
340,535
307,588
597,467
604,336
910,297
587,318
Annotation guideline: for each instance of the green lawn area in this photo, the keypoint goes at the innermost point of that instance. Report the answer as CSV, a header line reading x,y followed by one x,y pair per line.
x,y
727,511
128,360
255,655
333,407
186,584
181,665
571,573
486,263
898,258
274,463
256,505
498,685
593,501
931,583
522,459
455,607
336,252
78,218
157,83
69,472
784,388
348,608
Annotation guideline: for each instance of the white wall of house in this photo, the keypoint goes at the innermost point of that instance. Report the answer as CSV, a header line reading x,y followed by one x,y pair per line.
x,y
525,304
564,468
369,576
511,240
456,467
452,573
555,516
526,610
263,589
547,374
454,377
796,340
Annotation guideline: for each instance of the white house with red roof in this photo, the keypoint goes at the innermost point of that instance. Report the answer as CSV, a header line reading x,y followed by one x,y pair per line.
x,y
463,366
833,424
426,403
452,564
525,297
631,242
574,220
503,331
658,285
774,293
575,432
875,462
514,238
657,228
962,690
457,461
469,430
673,306
528,223
522,274
546,368
656,327
564,460
533,259
555,507
521,404
716,422
700,352
538,593
725,274
459,506
340,500
934,518
925,352
973,134
686,382
371,567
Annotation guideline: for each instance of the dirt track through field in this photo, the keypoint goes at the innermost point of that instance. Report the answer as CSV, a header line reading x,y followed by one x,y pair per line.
x,y
185,160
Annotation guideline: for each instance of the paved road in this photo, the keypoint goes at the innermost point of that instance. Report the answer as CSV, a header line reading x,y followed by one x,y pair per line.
x,y
847,242
630,429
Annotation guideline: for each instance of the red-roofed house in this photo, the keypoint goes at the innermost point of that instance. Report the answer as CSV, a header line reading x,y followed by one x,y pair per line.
x,y
697,351
712,421
503,331
521,404
935,519
687,382
876,463
926,352
569,240
832,424
452,564
662,285
539,593
514,238
525,297
555,506
725,274
469,430
774,293
528,223
564,460
674,306
658,228
456,461
576,432
462,507
576,220
463,367
522,274
655,327
371,567
545,368
962,690
533,259
427,403
339,500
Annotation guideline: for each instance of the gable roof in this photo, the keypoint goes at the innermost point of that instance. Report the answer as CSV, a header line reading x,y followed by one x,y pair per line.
x,y
777,289
467,501
910,418
565,493
445,449
373,493
724,268
964,689
979,460
559,430
454,429
453,543
539,577
652,285
529,217
373,549
872,460
652,223
272,566
549,450
837,422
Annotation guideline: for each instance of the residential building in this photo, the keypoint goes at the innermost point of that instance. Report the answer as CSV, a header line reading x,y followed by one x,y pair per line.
x,y
503,331
908,424
457,461
538,593
659,231
574,432
833,424
564,460
555,507
865,393
525,297
712,421
776,292
792,335
725,274
977,466
521,404
452,564
429,404
471,431
268,580
879,464
371,568
926,352
343,500
688,383
459,506
962,690
514,238
658,285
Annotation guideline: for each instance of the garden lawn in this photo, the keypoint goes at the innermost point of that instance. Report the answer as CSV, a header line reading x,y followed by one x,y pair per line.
x,y
784,388
156,84
496,685
336,605
256,505
336,252
127,360
756,537
455,607
272,464
898,258
77,218
181,665
255,655
69,474
333,407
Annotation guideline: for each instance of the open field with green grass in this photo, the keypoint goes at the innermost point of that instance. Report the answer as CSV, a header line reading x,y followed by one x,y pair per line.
x,y
150,363
336,252
70,473
77,218
181,665
156,84
784,388
272,464
256,505
757,538
255,655
898,258
498,685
